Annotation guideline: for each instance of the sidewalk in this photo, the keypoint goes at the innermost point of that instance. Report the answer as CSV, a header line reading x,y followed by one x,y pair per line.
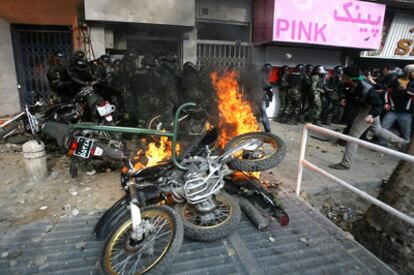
x,y
369,169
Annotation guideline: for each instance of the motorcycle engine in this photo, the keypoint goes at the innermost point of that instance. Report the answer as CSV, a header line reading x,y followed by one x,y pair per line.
x,y
203,179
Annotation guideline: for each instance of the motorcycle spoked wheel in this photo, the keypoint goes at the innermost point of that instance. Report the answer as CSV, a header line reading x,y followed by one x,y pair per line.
x,y
269,154
153,122
213,225
154,254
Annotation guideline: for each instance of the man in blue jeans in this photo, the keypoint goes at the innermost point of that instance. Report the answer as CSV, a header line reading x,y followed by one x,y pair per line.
x,y
398,103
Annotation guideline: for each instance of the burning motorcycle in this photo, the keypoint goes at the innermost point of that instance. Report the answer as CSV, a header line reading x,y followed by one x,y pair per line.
x,y
144,230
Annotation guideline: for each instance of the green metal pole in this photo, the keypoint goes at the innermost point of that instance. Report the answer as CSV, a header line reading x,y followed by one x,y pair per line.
x,y
142,131
118,129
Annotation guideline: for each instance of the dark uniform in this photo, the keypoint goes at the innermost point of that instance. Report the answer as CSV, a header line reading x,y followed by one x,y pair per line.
x,y
294,99
58,76
306,93
317,92
334,91
283,90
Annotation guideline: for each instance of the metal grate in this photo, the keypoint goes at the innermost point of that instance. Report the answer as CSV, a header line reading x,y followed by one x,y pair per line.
x,y
33,48
47,248
222,54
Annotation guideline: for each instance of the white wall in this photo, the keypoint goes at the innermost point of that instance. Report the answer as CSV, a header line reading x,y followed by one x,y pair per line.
x,y
277,56
98,40
9,94
225,10
168,12
190,47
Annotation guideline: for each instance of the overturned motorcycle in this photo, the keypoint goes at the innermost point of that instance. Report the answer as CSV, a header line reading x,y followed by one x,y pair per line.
x,y
144,230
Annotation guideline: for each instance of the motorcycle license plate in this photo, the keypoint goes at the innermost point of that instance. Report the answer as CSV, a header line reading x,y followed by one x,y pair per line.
x,y
84,148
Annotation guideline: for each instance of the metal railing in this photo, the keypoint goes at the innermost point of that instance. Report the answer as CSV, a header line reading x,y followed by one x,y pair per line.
x,y
305,163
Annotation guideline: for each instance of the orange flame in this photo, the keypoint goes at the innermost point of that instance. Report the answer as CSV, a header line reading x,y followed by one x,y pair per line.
x,y
236,115
155,153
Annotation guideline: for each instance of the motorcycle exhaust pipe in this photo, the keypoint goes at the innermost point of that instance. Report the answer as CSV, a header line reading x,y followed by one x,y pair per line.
x,y
254,215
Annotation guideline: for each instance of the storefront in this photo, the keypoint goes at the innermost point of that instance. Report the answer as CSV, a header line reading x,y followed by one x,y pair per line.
x,y
141,26
397,47
29,34
316,32
329,33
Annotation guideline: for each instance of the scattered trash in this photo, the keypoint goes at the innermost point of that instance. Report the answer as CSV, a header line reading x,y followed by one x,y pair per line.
x,y
54,175
272,239
75,212
303,240
13,254
349,236
80,245
73,191
91,172
39,261
4,255
43,207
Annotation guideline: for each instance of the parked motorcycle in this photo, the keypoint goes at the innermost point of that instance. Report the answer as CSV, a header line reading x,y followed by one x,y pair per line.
x,y
144,229
84,146
85,106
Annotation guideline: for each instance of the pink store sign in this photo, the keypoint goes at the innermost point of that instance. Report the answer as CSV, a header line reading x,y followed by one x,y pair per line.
x,y
343,23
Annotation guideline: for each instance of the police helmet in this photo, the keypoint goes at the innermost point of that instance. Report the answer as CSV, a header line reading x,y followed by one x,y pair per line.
x,y
59,55
79,54
299,68
285,68
80,64
267,67
105,58
319,69
189,66
339,70
308,68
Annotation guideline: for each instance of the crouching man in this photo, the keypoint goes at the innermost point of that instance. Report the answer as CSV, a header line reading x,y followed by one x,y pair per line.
x,y
370,107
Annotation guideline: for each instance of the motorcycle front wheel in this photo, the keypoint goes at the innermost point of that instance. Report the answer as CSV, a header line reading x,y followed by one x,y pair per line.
x,y
269,154
213,225
154,254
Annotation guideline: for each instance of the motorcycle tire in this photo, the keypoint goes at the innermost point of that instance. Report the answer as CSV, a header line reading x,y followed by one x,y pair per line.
x,y
194,230
258,164
120,236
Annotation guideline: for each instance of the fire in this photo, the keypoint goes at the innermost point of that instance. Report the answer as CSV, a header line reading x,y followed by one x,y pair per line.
x,y
236,115
155,153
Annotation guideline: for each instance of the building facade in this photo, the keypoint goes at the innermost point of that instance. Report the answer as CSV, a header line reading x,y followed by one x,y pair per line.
x,y
223,33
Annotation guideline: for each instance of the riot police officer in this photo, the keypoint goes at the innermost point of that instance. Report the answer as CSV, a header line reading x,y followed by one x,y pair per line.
x,y
317,91
294,102
306,92
334,92
283,90
58,75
